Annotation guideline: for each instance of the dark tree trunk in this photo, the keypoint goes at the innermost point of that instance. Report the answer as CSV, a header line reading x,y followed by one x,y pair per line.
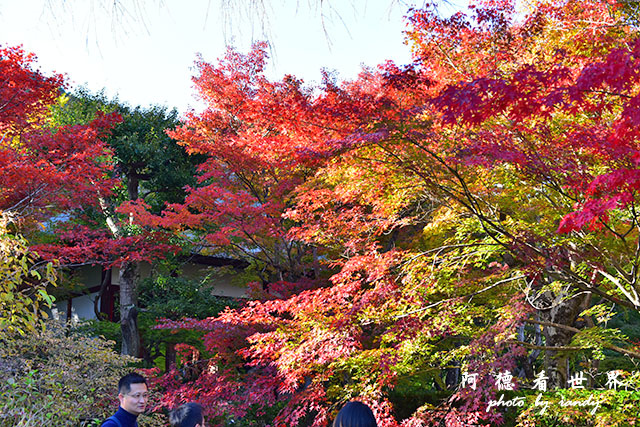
x,y
129,309
452,377
129,272
169,356
132,185
97,302
564,313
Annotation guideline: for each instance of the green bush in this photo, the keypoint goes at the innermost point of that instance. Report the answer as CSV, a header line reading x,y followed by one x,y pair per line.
x,y
174,298
162,296
23,284
58,377
614,408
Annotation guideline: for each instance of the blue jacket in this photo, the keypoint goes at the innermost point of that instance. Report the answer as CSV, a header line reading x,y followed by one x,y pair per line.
x,y
126,419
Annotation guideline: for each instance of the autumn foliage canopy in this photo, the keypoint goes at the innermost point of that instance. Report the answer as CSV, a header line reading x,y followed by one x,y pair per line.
x,y
460,214
44,170
472,212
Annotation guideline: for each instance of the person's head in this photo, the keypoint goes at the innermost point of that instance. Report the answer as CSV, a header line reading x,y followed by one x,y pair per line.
x,y
132,392
355,414
187,415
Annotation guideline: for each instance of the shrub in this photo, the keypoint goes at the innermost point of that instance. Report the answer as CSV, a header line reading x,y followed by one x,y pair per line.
x,y
58,377
23,284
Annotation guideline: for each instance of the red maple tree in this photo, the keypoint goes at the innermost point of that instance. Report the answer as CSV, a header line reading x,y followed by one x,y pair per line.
x,y
45,171
488,187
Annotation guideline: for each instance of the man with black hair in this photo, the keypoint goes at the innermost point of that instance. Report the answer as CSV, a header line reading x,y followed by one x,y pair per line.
x,y
187,415
132,393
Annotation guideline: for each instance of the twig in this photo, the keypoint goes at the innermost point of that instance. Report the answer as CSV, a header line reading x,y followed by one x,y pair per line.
x,y
471,295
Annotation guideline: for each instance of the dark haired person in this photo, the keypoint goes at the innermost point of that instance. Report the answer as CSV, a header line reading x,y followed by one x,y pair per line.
x,y
355,414
187,415
132,393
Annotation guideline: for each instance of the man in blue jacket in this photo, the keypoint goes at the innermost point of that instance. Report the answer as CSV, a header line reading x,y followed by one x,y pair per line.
x,y
132,393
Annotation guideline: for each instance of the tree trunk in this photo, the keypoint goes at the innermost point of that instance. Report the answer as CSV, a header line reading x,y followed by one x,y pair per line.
x,y
565,313
133,183
129,309
316,264
106,276
169,355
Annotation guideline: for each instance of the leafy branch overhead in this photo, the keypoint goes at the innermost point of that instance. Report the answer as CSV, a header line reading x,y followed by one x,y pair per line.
x,y
462,213
472,212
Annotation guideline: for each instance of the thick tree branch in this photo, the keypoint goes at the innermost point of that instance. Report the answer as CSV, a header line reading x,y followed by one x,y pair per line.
x,y
627,352
544,347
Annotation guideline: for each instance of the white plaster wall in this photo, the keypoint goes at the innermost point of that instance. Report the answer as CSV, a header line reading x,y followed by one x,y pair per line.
x,y
221,283
59,311
81,308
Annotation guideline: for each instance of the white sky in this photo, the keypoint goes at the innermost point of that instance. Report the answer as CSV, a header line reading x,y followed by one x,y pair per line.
x,y
152,63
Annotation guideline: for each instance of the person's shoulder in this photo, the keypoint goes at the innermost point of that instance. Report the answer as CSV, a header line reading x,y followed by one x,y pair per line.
x,y
109,422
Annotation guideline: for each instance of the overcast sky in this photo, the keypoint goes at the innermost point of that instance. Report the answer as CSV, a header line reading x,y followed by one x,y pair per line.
x,y
146,55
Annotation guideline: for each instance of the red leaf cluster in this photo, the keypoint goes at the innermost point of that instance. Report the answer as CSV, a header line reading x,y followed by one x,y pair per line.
x,y
43,170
